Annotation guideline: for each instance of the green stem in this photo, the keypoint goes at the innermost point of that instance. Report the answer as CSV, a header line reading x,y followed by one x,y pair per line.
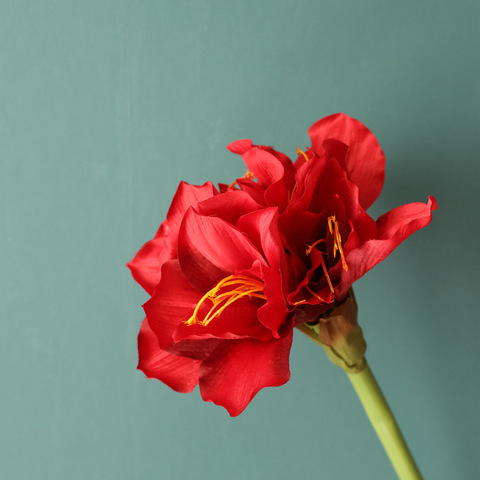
x,y
383,421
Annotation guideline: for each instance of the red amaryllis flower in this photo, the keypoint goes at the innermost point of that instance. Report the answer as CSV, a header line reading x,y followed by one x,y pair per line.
x,y
230,271
217,315
322,198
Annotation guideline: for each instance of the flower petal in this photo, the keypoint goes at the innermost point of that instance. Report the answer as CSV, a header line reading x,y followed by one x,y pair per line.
x,y
253,189
237,370
364,162
187,196
393,228
210,249
171,305
229,206
240,146
179,373
265,166
262,228
146,265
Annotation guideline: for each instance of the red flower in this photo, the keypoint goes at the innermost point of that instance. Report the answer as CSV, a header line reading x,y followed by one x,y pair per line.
x,y
322,198
231,271
217,315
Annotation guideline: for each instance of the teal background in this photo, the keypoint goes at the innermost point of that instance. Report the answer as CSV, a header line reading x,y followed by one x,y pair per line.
x,y
105,106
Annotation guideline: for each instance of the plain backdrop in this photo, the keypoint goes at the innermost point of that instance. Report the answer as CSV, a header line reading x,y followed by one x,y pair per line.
x,y
105,106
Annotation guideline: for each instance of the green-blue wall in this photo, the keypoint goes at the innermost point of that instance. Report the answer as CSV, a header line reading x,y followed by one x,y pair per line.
x,y
105,106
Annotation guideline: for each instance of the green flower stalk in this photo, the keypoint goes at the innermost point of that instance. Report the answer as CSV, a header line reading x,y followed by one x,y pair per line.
x,y
342,339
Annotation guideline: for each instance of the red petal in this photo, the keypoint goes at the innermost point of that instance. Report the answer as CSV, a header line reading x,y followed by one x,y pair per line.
x,y
365,161
240,146
274,171
172,303
265,166
237,370
290,170
262,228
308,176
399,223
210,249
146,264
276,196
393,228
187,196
255,190
229,206
179,373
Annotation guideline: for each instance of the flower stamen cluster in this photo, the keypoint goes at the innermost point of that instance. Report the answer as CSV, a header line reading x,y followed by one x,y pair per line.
x,y
221,296
335,236
337,240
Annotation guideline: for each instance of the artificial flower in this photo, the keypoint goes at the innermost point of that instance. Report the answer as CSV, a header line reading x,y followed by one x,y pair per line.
x,y
231,271
217,316
322,198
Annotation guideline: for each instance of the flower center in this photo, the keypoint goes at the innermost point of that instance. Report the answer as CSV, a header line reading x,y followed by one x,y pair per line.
x,y
334,234
224,293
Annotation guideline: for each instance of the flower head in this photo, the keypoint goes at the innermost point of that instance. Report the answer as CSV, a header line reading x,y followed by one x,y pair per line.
x,y
217,315
231,271
329,238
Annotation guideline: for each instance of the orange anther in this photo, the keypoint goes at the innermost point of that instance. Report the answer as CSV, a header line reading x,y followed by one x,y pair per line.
x,y
302,153
338,243
248,174
299,302
244,286
337,240
313,245
325,271
314,294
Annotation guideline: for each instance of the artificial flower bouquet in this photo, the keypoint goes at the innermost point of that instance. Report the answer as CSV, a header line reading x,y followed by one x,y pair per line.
x,y
232,270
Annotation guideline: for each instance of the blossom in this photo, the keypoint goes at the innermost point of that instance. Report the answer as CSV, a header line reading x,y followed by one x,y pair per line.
x,y
217,316
232,270
330,239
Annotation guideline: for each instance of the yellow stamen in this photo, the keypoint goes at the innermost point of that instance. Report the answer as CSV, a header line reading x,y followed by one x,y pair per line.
x,y
325,271
248,174
302,153
339,247
299,302
314,294
337,240
243,286
290,193
324,268
313,245
331,222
